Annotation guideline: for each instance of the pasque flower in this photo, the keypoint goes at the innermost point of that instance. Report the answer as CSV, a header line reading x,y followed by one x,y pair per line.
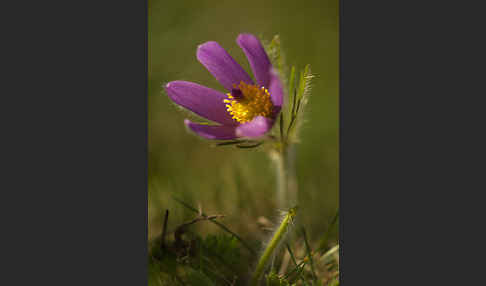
x,y
248,108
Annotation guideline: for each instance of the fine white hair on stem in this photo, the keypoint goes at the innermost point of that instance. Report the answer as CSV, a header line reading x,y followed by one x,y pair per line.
x,y
275,242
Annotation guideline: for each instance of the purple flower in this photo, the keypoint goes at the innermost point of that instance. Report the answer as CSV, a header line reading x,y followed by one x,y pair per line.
x,y
248,109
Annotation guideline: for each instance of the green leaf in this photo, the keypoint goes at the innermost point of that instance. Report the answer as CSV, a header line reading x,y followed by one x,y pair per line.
x,y
292,80
230,142
249,146
303,82
274,53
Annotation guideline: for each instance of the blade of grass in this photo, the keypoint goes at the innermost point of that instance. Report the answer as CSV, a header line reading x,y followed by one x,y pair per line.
x,y
309,255
291,253
297,267
222,226
323,244
295,262
330,252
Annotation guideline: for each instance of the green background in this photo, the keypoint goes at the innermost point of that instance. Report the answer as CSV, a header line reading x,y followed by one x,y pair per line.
x,y
224,180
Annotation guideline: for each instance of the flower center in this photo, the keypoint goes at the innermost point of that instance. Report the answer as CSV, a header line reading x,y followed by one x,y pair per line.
x,y
247,101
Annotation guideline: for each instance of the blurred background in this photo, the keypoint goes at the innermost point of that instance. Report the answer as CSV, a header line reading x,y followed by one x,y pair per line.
x,y
224,180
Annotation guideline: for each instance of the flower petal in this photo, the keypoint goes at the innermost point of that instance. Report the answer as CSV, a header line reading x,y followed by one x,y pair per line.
x,y
222,132
201,100
255,128
258,58
221,65
276,90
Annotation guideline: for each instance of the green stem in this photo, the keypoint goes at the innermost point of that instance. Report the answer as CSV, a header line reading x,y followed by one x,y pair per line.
x,y
286,177
281,174
276,239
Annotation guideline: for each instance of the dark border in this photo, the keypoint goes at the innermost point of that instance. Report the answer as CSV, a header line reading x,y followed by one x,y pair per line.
x,y
77,165
409,128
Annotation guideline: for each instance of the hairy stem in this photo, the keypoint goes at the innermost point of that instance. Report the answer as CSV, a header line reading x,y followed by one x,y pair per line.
x,y
274,242
286,176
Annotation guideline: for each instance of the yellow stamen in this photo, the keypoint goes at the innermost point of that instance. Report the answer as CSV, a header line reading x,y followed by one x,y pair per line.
x,y
254,101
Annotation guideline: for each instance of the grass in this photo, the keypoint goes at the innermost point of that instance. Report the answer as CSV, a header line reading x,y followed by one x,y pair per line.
x,y
188,258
